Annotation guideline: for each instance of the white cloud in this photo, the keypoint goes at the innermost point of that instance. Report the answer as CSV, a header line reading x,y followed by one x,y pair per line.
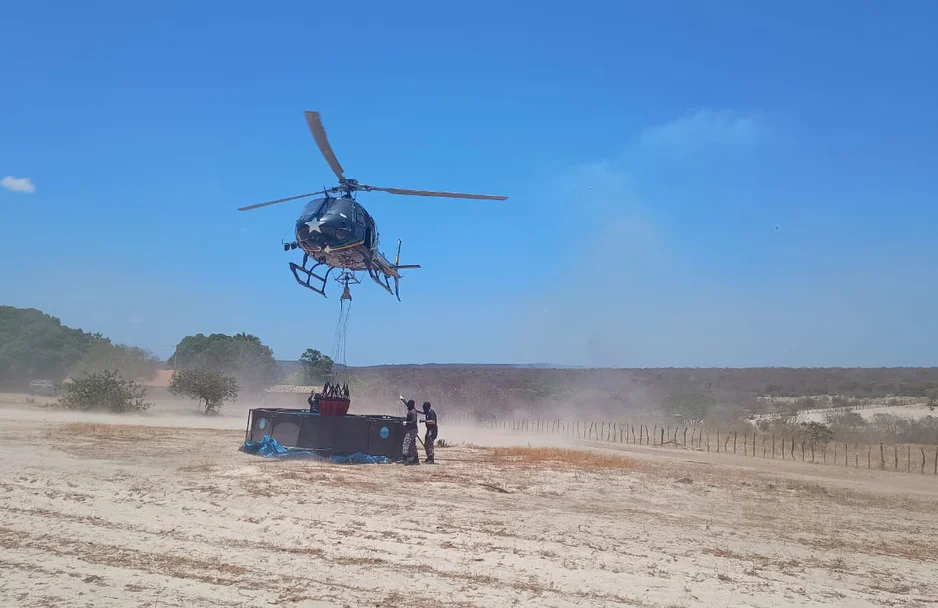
x,y
706,127
18,184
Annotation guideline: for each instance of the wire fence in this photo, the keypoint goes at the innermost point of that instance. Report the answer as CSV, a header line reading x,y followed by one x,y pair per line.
x,y
794,446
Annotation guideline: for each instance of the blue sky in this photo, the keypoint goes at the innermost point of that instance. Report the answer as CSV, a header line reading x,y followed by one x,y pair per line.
x,y
725,183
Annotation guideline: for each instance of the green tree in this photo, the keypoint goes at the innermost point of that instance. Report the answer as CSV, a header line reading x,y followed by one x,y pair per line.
x,y
105,390
131,362
211,388
317,367
692,406
816,434
34,345
242,356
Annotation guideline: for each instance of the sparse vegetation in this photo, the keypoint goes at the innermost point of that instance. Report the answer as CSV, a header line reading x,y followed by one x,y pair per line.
x,y
212,389
691,407
106,391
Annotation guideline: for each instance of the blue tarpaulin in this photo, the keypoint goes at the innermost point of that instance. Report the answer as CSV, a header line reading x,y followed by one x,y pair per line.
x,y
268,447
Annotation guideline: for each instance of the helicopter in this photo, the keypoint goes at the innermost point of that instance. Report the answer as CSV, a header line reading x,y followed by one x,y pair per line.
x,y
336,231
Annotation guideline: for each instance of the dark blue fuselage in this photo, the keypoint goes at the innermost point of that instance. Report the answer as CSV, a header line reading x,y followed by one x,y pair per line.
x,y
338,232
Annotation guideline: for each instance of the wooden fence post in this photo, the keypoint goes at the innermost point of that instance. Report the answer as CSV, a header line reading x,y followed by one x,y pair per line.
x,y
662,435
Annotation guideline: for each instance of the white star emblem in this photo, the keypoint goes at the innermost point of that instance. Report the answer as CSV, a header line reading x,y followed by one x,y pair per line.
x,y
316,227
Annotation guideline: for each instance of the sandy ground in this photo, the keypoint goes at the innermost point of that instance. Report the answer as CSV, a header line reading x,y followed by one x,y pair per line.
x,y
909,412
162,510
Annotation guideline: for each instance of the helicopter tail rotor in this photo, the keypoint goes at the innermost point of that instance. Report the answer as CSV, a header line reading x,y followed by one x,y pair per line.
x,y
397,260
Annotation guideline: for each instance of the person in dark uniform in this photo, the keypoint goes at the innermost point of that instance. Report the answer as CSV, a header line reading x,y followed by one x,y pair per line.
x,y
313,401
410,434
429,418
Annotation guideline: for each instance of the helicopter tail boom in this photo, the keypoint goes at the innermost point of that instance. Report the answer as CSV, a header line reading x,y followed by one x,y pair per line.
x,y
381,271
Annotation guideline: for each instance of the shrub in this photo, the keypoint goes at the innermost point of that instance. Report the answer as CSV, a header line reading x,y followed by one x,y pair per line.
x,y
691,406
106,390
212,389
816,434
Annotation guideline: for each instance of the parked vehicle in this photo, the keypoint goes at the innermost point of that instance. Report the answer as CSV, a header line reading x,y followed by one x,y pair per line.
x,y
42,387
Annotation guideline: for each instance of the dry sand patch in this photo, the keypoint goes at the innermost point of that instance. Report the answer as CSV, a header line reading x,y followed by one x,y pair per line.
x,y
93,513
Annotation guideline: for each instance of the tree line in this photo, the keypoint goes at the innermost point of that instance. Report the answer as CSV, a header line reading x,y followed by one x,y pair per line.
x,y
35,345
212,368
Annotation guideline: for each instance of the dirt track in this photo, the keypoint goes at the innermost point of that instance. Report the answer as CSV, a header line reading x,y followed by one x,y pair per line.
x,y
104,511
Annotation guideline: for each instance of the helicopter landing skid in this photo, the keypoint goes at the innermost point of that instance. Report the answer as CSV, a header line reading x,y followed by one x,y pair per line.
x,y
313,282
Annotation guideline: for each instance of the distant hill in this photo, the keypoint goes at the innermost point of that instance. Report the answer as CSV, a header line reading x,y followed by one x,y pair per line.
x,y
36,345
290,367
543,387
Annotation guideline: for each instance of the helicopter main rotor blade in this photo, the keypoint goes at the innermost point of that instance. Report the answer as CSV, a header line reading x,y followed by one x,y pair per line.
x,y
319,134
280,200
442,194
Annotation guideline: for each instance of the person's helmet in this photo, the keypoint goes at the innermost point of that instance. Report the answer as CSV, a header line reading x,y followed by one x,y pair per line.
x,y
411,404
426,405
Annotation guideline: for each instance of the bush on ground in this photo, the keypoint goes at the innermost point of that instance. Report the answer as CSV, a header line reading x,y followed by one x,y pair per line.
x,y
106,390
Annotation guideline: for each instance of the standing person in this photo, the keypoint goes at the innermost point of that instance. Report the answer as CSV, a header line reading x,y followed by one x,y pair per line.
x,y
313,401
432,429
410,434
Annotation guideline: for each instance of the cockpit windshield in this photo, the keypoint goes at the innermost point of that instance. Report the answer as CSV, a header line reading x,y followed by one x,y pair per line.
x,y
313,207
